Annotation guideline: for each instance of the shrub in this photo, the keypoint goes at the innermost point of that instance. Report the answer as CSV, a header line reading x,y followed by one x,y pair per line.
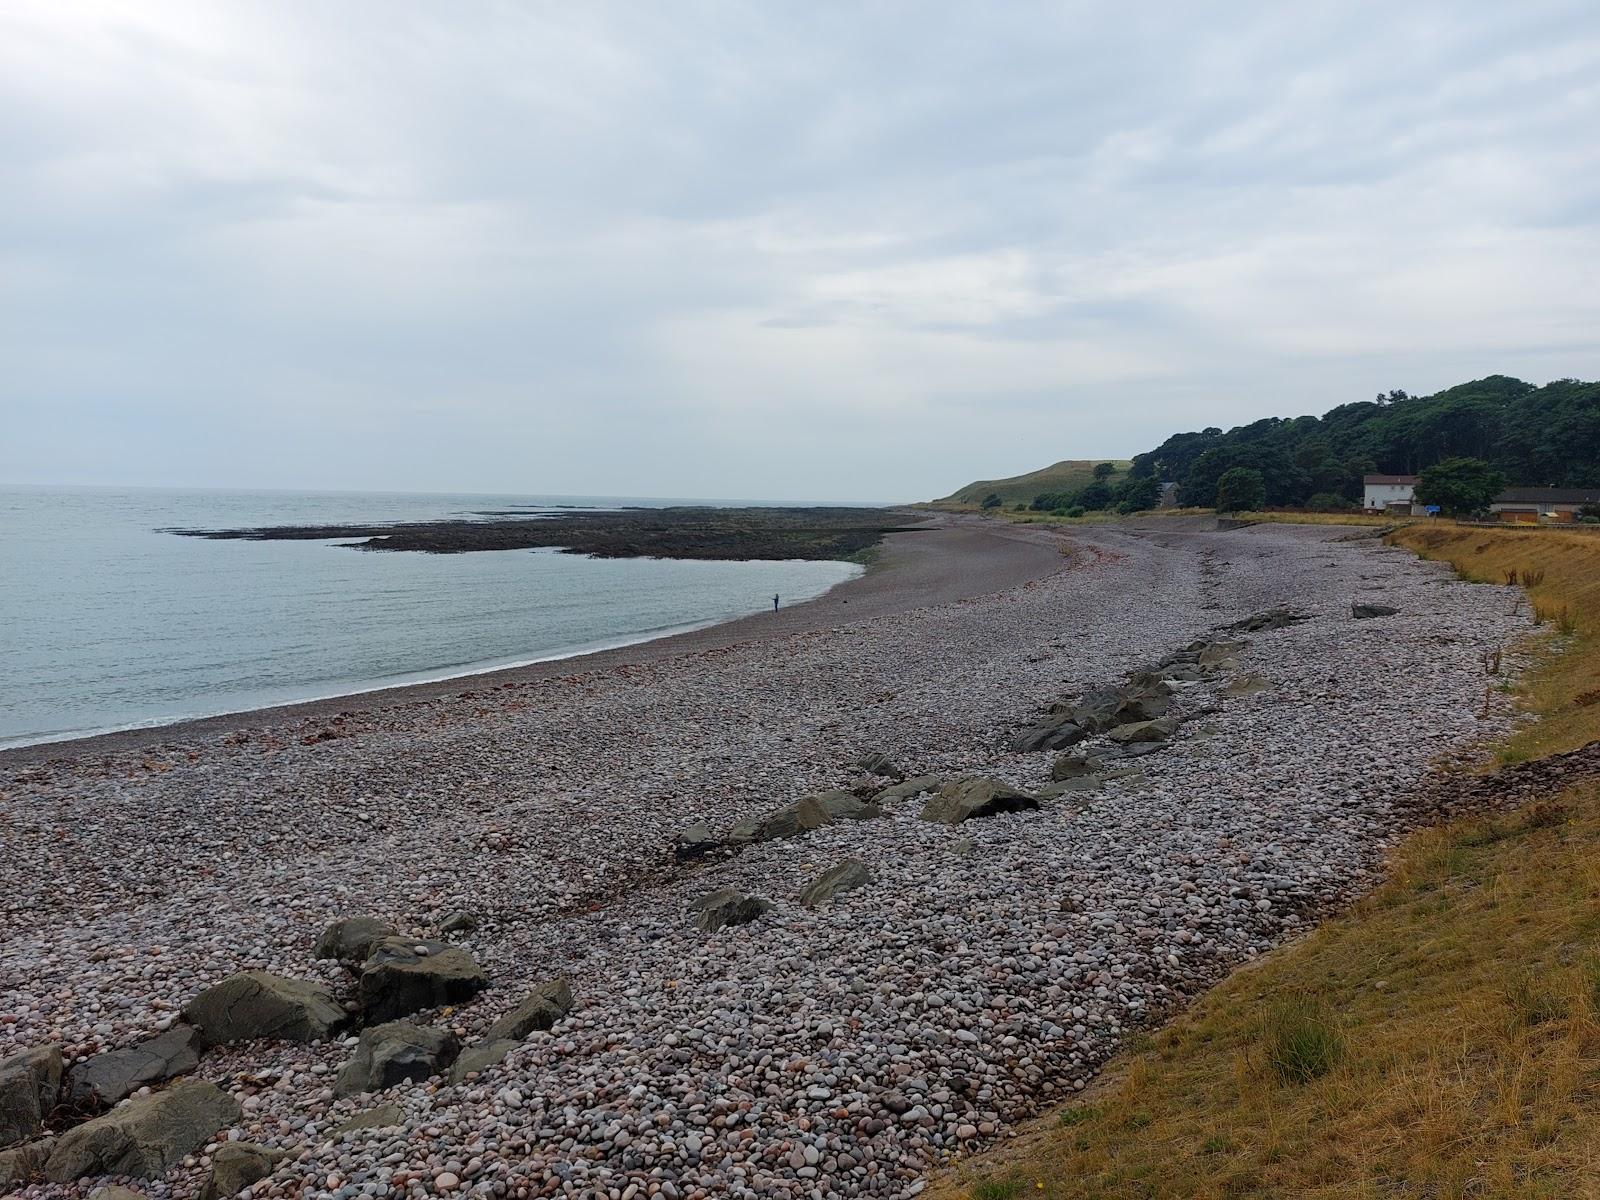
x,y
1300,1039
1328,502
1075,511
992,500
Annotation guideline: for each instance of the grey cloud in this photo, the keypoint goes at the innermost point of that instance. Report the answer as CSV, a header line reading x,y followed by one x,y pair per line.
x,y
788,250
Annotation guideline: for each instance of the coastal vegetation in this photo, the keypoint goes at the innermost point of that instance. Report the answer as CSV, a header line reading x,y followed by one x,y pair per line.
x,y
1068,476
1439,1039
683,532
1560,572
1534,436
1526,435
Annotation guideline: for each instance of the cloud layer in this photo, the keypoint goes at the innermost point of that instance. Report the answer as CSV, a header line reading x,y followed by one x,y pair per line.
x,y
765,251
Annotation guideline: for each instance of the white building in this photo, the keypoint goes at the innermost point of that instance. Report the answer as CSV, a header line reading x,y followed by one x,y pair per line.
x,y
1389,493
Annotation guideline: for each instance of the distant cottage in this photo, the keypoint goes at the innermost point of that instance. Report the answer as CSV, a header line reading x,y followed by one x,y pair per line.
x,y
1390,493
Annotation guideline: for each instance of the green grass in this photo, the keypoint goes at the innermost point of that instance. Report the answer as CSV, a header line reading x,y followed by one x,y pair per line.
x,y
1066,476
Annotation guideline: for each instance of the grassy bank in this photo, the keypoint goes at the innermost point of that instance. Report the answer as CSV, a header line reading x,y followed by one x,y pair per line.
x,y
1560,571
1440,1040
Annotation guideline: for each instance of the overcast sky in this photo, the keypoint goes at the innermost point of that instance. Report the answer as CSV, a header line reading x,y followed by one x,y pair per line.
x,y
805,250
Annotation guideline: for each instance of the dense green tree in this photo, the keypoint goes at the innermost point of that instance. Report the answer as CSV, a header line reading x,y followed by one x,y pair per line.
x,y
992,500
1241,489
1104,470
1136,493
1460,486
1095,495
1329,502
1537,437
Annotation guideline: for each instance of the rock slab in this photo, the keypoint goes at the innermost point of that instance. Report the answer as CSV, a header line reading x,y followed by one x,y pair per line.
x,y
852,873
144,1137
107,1078
396,1052
235,1166
353,938
727,906
975,796
30,1082
402,976
542,1008
256,1004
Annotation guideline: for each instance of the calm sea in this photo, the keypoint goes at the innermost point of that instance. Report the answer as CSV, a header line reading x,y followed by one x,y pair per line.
x,y
106,623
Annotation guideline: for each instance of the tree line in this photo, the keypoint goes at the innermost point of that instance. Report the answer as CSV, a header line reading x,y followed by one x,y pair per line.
x,y
1520,434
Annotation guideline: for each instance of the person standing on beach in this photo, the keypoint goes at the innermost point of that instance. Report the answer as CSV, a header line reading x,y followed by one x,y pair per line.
x,y
774,602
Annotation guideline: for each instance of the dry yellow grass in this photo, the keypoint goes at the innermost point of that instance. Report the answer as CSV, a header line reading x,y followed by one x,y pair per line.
x,y
1463,1000
1441,1040
1560,571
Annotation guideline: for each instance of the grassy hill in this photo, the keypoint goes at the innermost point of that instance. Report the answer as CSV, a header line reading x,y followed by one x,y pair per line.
x,y
1066,476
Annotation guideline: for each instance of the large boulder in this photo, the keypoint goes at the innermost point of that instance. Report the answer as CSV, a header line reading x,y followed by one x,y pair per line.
x,y
542,1008
353,938
256,1004
235,1166
396,1052
975,796
106,1078
1053,733
23,1164
146,1136
30,1083
727,906
402,976
813,812
1074,765
915,786
1145,731
480,1056
852,873
880,764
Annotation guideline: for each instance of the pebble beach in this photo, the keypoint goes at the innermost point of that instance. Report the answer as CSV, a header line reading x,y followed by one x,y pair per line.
x,y
979,976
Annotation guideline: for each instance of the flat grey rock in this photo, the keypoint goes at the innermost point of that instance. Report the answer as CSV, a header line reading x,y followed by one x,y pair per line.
x,y
852,873
145,1137
543,1007
353,938
30,1083
398,978
975,796
107,1078
727,906
396,1052
480,1056
257,1004
235,1166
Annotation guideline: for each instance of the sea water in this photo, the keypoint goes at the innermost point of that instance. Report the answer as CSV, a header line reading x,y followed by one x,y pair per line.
x,y
108,623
